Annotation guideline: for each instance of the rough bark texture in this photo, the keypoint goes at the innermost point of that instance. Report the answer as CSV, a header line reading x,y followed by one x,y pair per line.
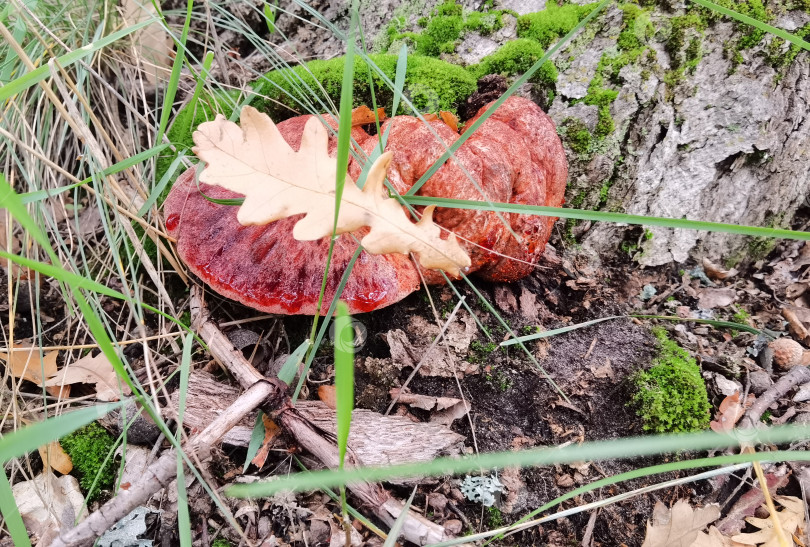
x,y
719,142
374,439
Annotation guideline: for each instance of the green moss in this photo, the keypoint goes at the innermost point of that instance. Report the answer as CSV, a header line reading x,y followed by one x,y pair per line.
x,y
760,247
516,57
740,316
671,396
579,139
547,26
449,8
778,58
221,542
440,35
88,448
494,517
479,352
484,23
432,84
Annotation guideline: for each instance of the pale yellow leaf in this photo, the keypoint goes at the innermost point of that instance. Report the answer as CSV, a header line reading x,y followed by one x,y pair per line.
x,y
278,182
716,539
48,503
92,370
25,363
55,457
678,526
791,517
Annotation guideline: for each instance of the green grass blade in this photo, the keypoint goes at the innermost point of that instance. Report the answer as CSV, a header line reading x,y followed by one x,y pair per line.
x,y
185,372
322,331
31,437
270,17
555,332
31,197
391,540
290,367
32,78
256,438
344,376
343,145
562,330
508,93
11,514
634,447
174,79
754,23
603,216
11,201
77,282
183,517
164,181
399,78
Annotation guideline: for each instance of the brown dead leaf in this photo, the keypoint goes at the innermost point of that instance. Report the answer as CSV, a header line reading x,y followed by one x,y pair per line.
x,y
363,115
709,298
716,272
328,394
151,45
278,182
678,526
92,370
271,431
748,503
25,364
55,457
445,409
791,517
450,119
730,412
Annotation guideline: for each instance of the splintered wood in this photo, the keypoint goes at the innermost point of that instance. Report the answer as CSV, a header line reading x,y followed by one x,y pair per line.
x,y
374,439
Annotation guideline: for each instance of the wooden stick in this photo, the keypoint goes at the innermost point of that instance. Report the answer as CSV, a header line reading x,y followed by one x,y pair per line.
x,y
164,470
417,529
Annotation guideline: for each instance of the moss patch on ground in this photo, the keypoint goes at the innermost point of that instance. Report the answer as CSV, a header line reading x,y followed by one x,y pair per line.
x,y
431,84
89,448
547,26
671,396
443,28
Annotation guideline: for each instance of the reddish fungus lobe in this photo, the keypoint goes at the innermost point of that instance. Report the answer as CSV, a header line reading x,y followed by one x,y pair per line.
x,y
515,156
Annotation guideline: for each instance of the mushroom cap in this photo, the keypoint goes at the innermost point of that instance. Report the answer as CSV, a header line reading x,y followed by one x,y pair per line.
x,y
787,353
266,268
515,156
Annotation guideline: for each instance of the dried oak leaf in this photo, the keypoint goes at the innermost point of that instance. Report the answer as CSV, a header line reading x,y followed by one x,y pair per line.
x,y
790,519
678,526
55,457
92,370
715,539
279,182
25,363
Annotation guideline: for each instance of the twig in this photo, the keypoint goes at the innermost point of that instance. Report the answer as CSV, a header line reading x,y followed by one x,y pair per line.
x,y
163,471
417,529
797,375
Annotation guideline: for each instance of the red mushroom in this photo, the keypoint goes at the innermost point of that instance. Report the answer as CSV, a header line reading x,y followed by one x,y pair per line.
x,y
515,156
